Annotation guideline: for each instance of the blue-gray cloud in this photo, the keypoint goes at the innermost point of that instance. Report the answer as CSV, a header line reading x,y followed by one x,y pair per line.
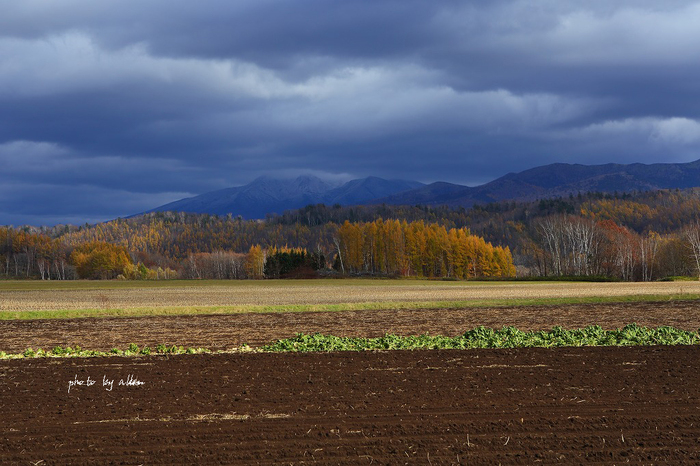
x,y
109,108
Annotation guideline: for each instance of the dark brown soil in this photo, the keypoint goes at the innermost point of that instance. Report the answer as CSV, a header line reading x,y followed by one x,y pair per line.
x,y
526,406
227,331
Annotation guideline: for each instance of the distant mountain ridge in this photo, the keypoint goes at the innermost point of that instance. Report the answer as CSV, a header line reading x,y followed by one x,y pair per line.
x,y
555,180
267,195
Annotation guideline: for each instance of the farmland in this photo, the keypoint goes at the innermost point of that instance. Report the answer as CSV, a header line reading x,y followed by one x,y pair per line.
x,y
605,405
33,299
224,332
565,405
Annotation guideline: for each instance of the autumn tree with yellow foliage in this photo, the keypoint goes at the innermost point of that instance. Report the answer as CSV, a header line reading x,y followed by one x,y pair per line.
x,y
393,247
98,260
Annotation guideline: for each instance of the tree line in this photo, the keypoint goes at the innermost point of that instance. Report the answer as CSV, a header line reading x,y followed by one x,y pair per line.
x,y
390,248
399,248
637,236
577,246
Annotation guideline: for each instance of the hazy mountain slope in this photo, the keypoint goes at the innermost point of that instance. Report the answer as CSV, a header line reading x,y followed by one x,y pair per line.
x,y
254,200
267,195
434,193
366,189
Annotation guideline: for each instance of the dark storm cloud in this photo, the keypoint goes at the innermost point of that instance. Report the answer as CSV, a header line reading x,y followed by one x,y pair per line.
x,y
109,108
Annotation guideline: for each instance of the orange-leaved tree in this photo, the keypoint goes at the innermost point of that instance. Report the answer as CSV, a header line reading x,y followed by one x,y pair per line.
x,y
99,260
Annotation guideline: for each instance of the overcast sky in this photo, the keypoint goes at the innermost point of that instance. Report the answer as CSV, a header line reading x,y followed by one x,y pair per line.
x,y
111,107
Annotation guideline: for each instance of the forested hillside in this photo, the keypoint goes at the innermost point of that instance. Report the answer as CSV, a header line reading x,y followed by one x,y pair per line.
x,y
643,236
165,245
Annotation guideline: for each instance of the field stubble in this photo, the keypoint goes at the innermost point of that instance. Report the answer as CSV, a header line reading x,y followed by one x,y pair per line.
x,y
194,296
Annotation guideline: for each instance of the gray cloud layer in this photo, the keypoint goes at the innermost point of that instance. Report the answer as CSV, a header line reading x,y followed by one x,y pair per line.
x,y
109,108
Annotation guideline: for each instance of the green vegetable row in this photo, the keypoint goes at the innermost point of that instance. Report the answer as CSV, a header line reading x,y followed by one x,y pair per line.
x,y
78,352
483,337
479,337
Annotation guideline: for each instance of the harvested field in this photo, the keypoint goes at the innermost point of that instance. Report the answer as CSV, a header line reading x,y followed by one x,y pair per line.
x,y
239,296
526,406
227,331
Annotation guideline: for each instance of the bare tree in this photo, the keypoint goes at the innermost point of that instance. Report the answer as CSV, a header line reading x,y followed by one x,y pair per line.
x,y
552,232
582,243
648,248
43,268
572,243
692,235
336,241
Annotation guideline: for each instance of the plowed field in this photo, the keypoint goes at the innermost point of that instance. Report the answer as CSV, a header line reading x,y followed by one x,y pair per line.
x,y
528,406
524,406
227,331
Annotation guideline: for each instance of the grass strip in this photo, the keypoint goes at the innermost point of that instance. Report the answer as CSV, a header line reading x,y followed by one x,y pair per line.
x,y
374,306
479,337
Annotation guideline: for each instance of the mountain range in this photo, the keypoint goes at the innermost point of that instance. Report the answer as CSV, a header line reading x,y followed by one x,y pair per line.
x,y
267,195
555,180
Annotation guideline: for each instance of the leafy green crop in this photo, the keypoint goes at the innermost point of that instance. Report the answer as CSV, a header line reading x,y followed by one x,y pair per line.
x,y
483,337
78,352
479,337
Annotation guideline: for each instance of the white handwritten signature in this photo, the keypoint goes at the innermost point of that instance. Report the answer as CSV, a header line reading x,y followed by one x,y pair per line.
x,y
107,384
